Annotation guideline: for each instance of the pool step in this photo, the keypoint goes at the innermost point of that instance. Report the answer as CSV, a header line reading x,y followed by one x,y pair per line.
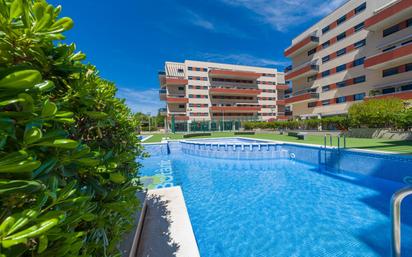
x,y
235,150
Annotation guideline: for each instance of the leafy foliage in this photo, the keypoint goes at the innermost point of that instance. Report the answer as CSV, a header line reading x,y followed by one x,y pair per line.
x,y
67,144
336,122
380,113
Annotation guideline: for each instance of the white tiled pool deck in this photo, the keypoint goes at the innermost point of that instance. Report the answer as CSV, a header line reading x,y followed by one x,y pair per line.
x,y
167,230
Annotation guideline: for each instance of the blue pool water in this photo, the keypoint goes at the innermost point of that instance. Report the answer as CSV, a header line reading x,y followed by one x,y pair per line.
x,y
284,206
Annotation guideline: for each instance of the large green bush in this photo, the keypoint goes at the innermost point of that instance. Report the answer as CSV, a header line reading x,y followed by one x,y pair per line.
x,y
67,144
378,113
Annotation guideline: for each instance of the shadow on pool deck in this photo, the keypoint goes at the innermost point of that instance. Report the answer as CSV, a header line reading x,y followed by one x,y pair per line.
x,y
156,238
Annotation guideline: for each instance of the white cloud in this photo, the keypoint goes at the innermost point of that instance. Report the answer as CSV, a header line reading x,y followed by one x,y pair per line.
x,y
144,101
284,14
241,59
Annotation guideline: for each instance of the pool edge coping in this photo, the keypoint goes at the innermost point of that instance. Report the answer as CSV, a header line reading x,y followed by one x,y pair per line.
x,y
294,143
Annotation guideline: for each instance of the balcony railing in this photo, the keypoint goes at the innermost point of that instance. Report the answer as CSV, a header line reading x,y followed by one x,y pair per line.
x,y
389,15
308,69
388,58
302,97
305,44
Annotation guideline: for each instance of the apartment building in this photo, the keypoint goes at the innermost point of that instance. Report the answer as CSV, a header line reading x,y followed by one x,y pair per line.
x,y
362,50
197,91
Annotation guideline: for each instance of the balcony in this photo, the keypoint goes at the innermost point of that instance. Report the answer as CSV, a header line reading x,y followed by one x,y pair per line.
x,y
304,45
233,74
288,113
176,100
280,102
178,117
236,109
308,96
404,95
282,87
305,70
399,55
163,111
234,91
176,81
162,94
389,14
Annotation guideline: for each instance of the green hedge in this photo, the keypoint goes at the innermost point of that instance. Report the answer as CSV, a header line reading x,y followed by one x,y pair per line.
x,y
196,135
338,122
382,113
67,144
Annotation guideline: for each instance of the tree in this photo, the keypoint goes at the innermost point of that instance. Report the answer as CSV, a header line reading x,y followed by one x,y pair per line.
x,y
67,144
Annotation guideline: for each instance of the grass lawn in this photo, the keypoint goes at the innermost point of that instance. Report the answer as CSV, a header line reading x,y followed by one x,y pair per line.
x,y
400,146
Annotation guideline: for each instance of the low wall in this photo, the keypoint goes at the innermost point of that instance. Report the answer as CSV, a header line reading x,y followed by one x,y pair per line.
x,y
379,133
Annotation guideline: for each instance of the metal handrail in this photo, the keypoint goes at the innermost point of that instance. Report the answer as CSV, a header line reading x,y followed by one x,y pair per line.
x,y
396,202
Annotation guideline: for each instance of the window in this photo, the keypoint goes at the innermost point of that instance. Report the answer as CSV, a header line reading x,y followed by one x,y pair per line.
x,y
360,43
406,42
325,73
325,29
181,88
360,8
409,22
341,68
360,79
311,78
341,99
407,87
408,67
312,51
190,77
197,69
325,88
312,104
341,84
388,90
180,70
325,102
359,26
341,20
181,106
326,44
358,62
390,72
359,96
388,48
341,36
341,52
391,30
190,68
326,59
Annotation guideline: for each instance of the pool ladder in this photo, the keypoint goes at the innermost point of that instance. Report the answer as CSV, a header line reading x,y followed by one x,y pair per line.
x,y
396,202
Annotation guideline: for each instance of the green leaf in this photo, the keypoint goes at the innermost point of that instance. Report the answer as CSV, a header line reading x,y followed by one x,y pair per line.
x,y
96,115
32,135
20,80
61,143
43,242
49,109
34,231
46,85
64,23
117,178
21,167
16,9
19,186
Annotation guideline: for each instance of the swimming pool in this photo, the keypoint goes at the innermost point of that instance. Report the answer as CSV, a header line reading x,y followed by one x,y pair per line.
x,y
304,202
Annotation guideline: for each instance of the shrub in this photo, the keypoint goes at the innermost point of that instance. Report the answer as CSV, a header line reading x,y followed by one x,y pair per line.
x,y
67,147
196,135
376,113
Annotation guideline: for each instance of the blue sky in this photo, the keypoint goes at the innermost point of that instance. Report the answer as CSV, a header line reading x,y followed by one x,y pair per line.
x,y
129,40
